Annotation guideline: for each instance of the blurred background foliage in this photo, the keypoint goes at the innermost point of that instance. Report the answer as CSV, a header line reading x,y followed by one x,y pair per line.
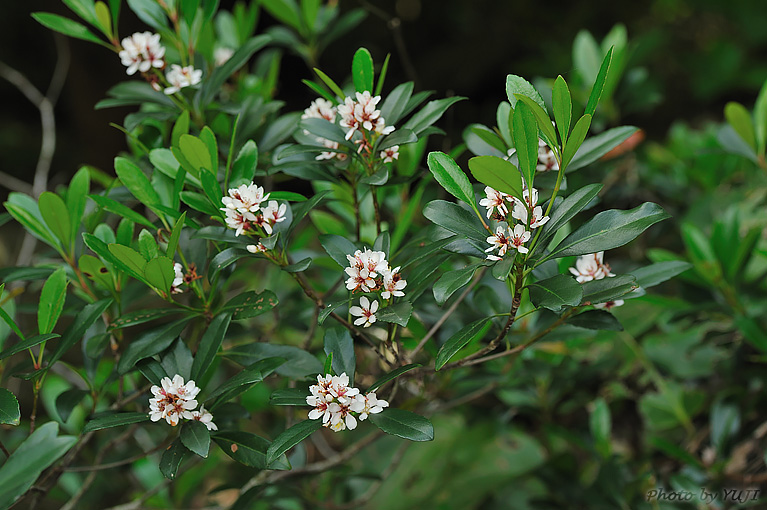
x,y
590,419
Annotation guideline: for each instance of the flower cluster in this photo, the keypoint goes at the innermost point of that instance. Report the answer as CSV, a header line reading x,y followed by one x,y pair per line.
x,y
244,212
178,279
180,77
141,52
369,271
528,213
324,109
592,267
175,400
546,158
336,403
362,114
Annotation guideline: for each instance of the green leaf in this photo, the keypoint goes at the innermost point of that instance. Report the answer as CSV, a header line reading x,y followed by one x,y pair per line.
x,y
224,259
652,275
84,9
456,219
40,450
196,153
609,229
52,301
289,438
599,84
497,173
469,333
607,289
121,210
248,449
451,281
181,127
67,401
740,120
244,167
399,137
556,292
362,71
77,192
147,245
56,216
209,139
285,11
525,135
576,138
397,314
338,248
382,76
104,19
26,344
170,250
177,359
595,319
141,317
339,344
108,421
137,182
75,332
760,120
250,304
324,129
395,102
250,375
209,344
330,83
328,367
131,259
211,86
752,332
563,107
301,265
597,146
171,459
160,273
429,114
66,26
289,397
195,436
518,85
150,12
404,424
150,343
325,312
600,424
9,408
566,210
542,119
391,376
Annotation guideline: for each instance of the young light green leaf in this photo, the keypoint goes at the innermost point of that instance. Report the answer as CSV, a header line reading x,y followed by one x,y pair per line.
x,y
331,84
136,181
77,193
289,438
56,216
195,436
497,173
339,344
404,424
518,85
740,120
556,292
170,250
159,273
196,153
244,167
147,245
104,19
580,130
131,259
760,120
472,332
52,299
599,84
450,176
563,107
362,71
542,119
116,207
525,135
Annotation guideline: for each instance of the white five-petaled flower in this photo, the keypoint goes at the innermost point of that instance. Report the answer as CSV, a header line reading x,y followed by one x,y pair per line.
x,y
537,219
321,109
178,279
364,268
204,416
239,221
609,304
390,154
362,114
273,213
366,312
373,405
181,77
546,158
518,237
329,144
141,52
500,241
590,267
173,400
495,199
256,248
393,284
246,198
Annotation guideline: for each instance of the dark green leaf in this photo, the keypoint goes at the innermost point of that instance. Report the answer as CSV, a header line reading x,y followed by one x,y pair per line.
x,y
599,84
209,344
472,332
9,408
429,114
218,77
152,370
300,363
652,275
121,210
451,281
177,359
224,259
399,137
391,376
107,421
338,248
597,146
195,436
244,167
456,219
82,321
397,314
395,102
596,319
253,374
301,265
600,424
404,424
52,301
26,344
171,459
65,26
248,449
555,292
289,438
339,344
325,312
150,343
607,289
170,251
67,401
250,304
140,317
576,138
289,397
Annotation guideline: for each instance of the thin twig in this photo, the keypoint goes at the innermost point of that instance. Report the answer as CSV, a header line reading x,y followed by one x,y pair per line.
x,y
447,314
12,183
4,449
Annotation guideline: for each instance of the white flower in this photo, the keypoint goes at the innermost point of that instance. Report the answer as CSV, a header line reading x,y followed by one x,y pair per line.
x,y
390,154
239,221
256,248
610,304
393,284
340,389
372,405
495,199
141,52
340,156
518,237
174,400
221,55
204,416
178,279
246,198
366,312
321,109
364,267
362,114
546,158
180,77
274,213
348,120
537,219
590,267
500,241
